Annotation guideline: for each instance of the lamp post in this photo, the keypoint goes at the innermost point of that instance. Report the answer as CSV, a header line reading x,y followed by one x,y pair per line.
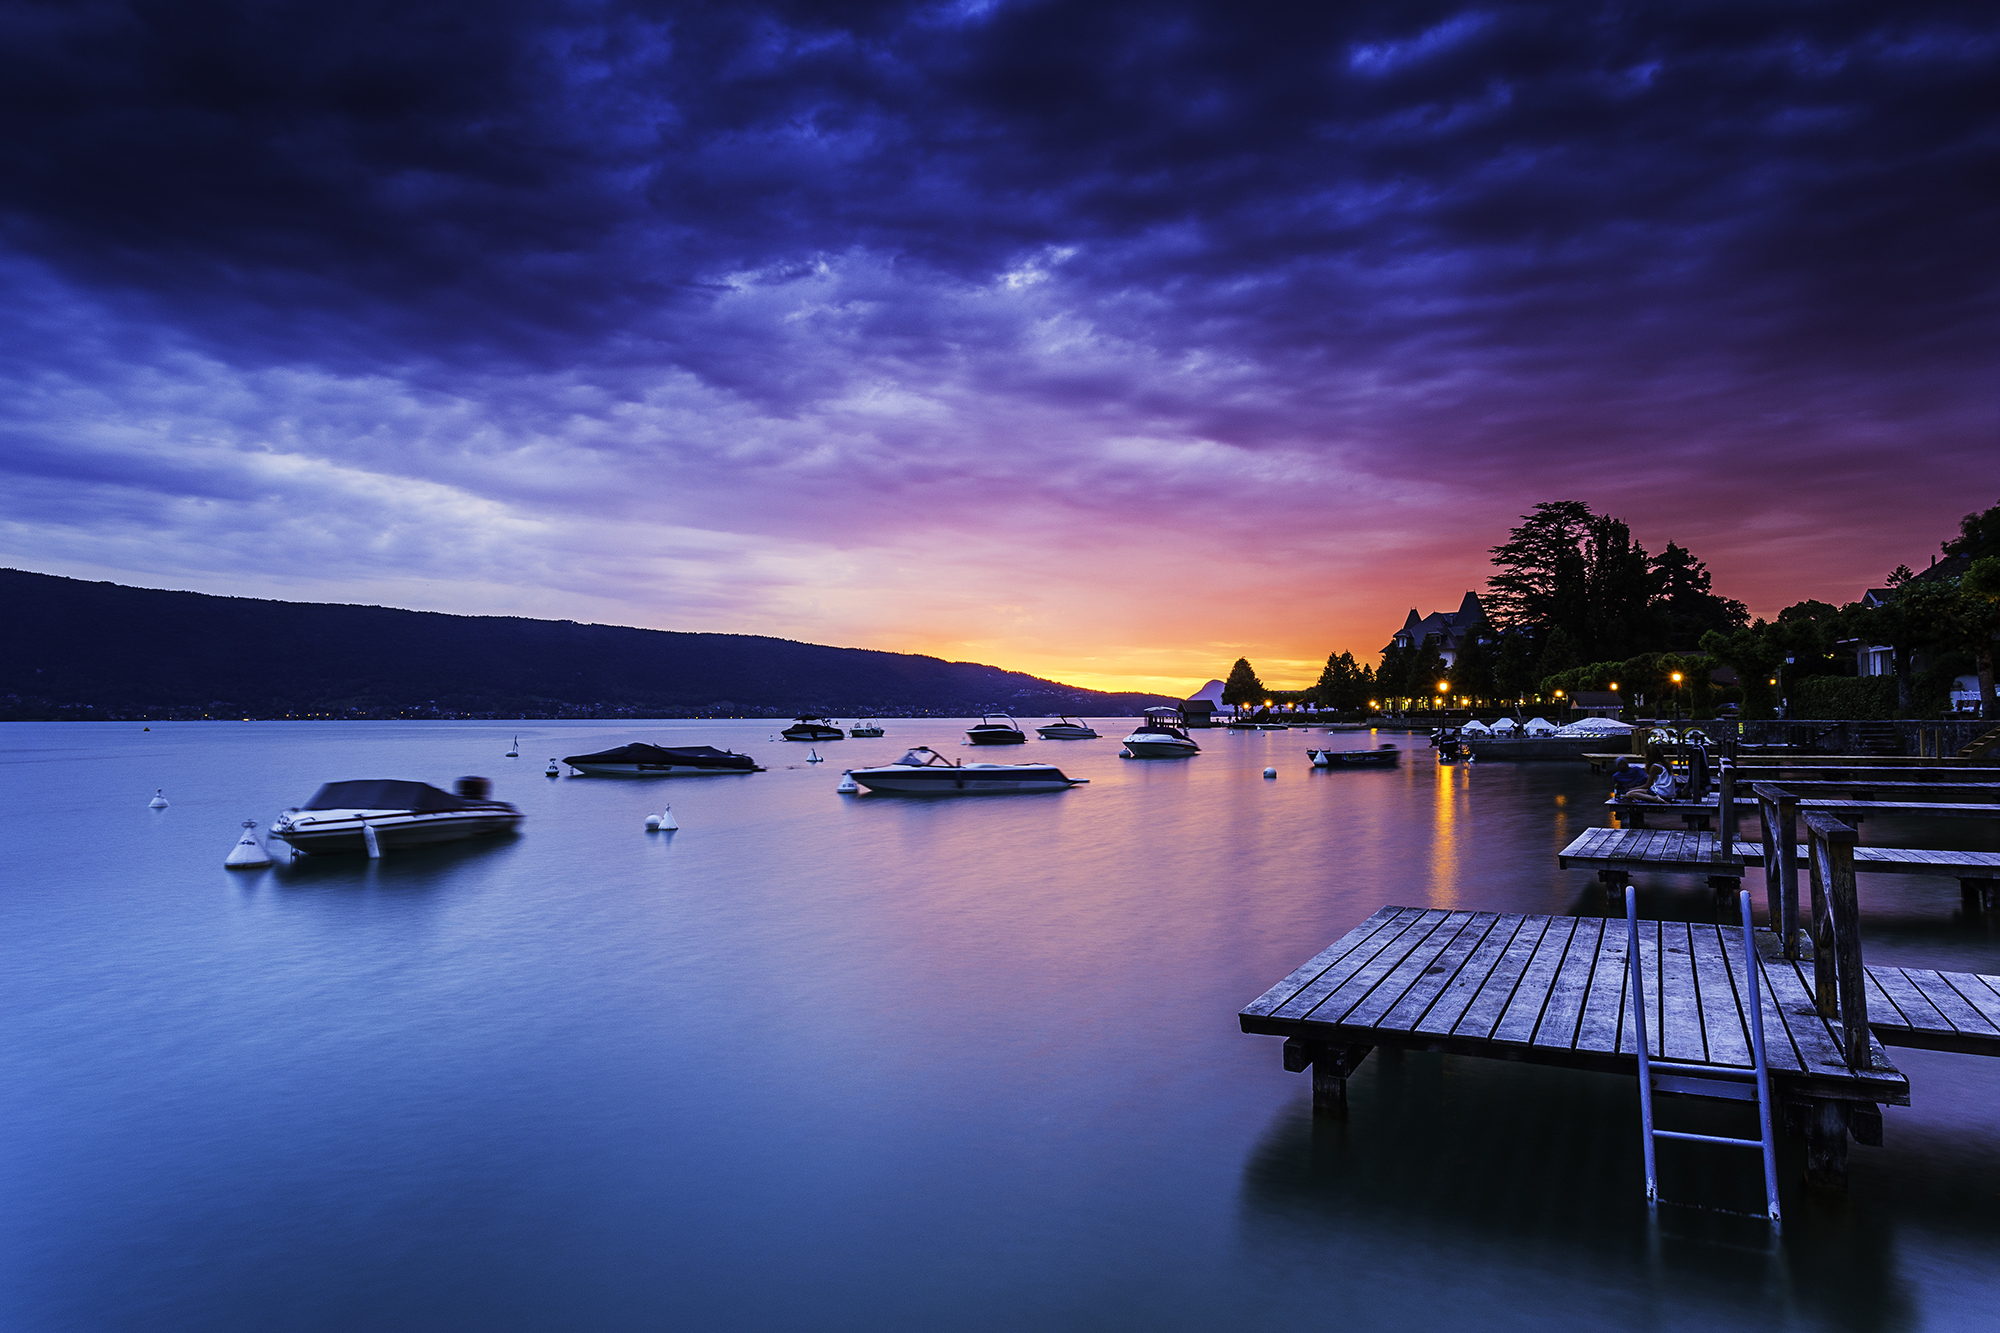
x,y
1677,696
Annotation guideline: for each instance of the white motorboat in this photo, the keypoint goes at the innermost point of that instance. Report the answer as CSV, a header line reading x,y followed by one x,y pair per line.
x,y
864,728
639,760
925,772
1068,729
401,814
1162,734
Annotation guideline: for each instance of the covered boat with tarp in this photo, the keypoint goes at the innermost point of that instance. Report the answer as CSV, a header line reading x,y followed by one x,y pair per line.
x,y
400,813
640,760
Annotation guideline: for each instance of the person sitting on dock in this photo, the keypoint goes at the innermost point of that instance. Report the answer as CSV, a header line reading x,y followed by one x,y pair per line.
x,y
1661,790
1627,774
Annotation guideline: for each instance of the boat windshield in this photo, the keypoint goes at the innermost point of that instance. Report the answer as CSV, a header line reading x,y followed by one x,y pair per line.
x,y
923,756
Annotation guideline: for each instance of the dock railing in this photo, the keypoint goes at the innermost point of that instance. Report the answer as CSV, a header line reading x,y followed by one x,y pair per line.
x,y
1839,979
1778,813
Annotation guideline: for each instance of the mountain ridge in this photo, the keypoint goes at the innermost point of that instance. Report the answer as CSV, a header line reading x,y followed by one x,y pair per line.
x,y
82,649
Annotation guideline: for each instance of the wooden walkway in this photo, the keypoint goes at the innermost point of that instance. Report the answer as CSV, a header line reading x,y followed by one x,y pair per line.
x,y
1670,851
1935,1011
1552,990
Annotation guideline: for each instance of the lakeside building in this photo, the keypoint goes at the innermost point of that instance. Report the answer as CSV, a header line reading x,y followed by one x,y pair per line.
x,y
1447,631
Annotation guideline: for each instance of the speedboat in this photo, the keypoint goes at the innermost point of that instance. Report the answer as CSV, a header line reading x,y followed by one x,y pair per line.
x,y
1068,729
1161,735
1383,756
863,727
1004,732
401,814
813,729
639,760
925,772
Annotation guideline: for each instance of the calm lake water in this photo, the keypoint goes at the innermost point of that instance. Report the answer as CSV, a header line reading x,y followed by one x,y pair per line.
x,y
831,1062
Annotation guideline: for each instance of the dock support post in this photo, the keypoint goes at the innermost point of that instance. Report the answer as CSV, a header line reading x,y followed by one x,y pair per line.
x,y
1976,895
1331,1066
1826,1144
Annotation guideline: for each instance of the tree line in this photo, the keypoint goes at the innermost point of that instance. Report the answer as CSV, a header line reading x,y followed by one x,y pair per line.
x,y
1577,604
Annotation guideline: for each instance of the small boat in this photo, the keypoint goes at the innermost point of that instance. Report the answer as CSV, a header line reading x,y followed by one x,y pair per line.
x,y
639,760
863,727
925,772
1004,732
402,814
1068,729
1243,724
1161,735
813,729
1382,756
514,750
1343,726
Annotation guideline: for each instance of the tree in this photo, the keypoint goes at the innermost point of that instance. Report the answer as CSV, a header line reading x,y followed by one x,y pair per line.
x,y
1689,603
1980,589
1514,673
1756,655
1916,616
1978,536
1472,669
1393,676
1561,653
1540,585
1344,684
1243,687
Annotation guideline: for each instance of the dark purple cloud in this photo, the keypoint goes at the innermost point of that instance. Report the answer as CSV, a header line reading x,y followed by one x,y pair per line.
x,y
721,307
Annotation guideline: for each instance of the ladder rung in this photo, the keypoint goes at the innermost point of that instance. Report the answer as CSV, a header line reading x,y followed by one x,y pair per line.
x,y
1703,1071
1701,1087
1758,1144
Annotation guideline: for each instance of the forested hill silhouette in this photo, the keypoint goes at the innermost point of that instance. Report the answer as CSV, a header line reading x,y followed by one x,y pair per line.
x,y
76,649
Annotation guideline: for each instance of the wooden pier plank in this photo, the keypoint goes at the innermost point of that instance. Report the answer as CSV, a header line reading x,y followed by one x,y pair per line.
x,y
1978,991
1604,1003
1723,1026
1680,1006
1413,972
1436,979
1477,970
1649,973
1569,987
1912,1010
1380,944
1305,973
1482,1016
1524,1007
1949,1002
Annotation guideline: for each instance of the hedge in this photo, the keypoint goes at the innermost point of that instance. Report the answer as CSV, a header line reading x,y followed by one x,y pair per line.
x,y
1861,698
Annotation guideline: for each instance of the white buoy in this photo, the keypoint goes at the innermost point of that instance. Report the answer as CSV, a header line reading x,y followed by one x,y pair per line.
x,y
814,757
552,771
248,853
369,840
848,786
652,823
1270,772
667,821
159,801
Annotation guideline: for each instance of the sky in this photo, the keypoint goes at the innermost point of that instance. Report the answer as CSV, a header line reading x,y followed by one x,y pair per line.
x,y
1105,341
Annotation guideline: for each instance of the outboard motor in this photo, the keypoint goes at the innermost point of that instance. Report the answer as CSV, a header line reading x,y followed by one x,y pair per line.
x,y
474,789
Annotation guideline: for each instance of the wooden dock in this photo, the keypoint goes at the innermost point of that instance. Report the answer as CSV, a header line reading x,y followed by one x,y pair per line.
x,y
1552,990
1617,853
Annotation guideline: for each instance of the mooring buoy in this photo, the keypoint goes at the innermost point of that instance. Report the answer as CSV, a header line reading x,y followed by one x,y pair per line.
x,y
1270,772
159,801
370,841
848,786
667,821
552,771
652,823
248,853
814,757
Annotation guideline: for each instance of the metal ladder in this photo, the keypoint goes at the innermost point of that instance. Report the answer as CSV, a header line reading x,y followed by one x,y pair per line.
x,y
1705,1080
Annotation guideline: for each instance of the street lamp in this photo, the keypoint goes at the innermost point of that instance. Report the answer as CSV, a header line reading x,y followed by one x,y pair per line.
x,y
1677,696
